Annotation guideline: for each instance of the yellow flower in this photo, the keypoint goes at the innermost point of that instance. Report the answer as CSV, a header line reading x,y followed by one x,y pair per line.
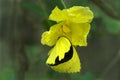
x,y
73,23
71,30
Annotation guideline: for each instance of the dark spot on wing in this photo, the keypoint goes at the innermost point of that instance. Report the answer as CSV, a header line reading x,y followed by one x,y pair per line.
x,y
68,56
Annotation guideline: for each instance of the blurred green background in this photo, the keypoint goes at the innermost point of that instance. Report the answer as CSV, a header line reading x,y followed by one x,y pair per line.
x,y
22,56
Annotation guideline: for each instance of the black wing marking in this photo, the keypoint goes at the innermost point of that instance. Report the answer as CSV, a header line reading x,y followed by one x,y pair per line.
x,y
67,57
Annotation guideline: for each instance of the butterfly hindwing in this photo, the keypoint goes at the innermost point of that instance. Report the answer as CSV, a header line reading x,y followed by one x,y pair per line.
x,y
69,63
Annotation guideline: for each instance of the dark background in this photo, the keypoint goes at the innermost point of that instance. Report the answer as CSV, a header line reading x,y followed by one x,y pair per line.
x,y
22,56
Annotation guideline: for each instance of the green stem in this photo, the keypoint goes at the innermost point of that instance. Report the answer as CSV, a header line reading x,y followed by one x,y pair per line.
x,y
44,11
63,3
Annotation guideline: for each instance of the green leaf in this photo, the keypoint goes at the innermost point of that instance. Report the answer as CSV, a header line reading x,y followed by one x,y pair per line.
x,y
113,26
85,76
33,8
33,54
7,73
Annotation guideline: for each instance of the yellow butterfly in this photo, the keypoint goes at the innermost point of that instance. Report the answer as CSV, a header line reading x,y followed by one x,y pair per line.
x,y
63,57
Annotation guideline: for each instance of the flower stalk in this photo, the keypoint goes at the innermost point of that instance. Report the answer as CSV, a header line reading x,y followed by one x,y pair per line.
x,y
63,3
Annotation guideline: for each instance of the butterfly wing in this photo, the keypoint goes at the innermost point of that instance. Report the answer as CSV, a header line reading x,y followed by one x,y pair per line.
x,y
63,57
70,66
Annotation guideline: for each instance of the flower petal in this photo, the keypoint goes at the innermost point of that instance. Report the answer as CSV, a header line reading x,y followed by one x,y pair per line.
x,y
58,15
79,14
78,34
50,37
76,14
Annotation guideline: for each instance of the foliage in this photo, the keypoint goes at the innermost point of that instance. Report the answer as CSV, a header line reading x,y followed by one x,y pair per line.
x,y
102,25
7,73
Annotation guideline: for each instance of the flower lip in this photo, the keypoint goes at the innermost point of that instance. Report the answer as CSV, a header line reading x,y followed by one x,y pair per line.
x,y
68,56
